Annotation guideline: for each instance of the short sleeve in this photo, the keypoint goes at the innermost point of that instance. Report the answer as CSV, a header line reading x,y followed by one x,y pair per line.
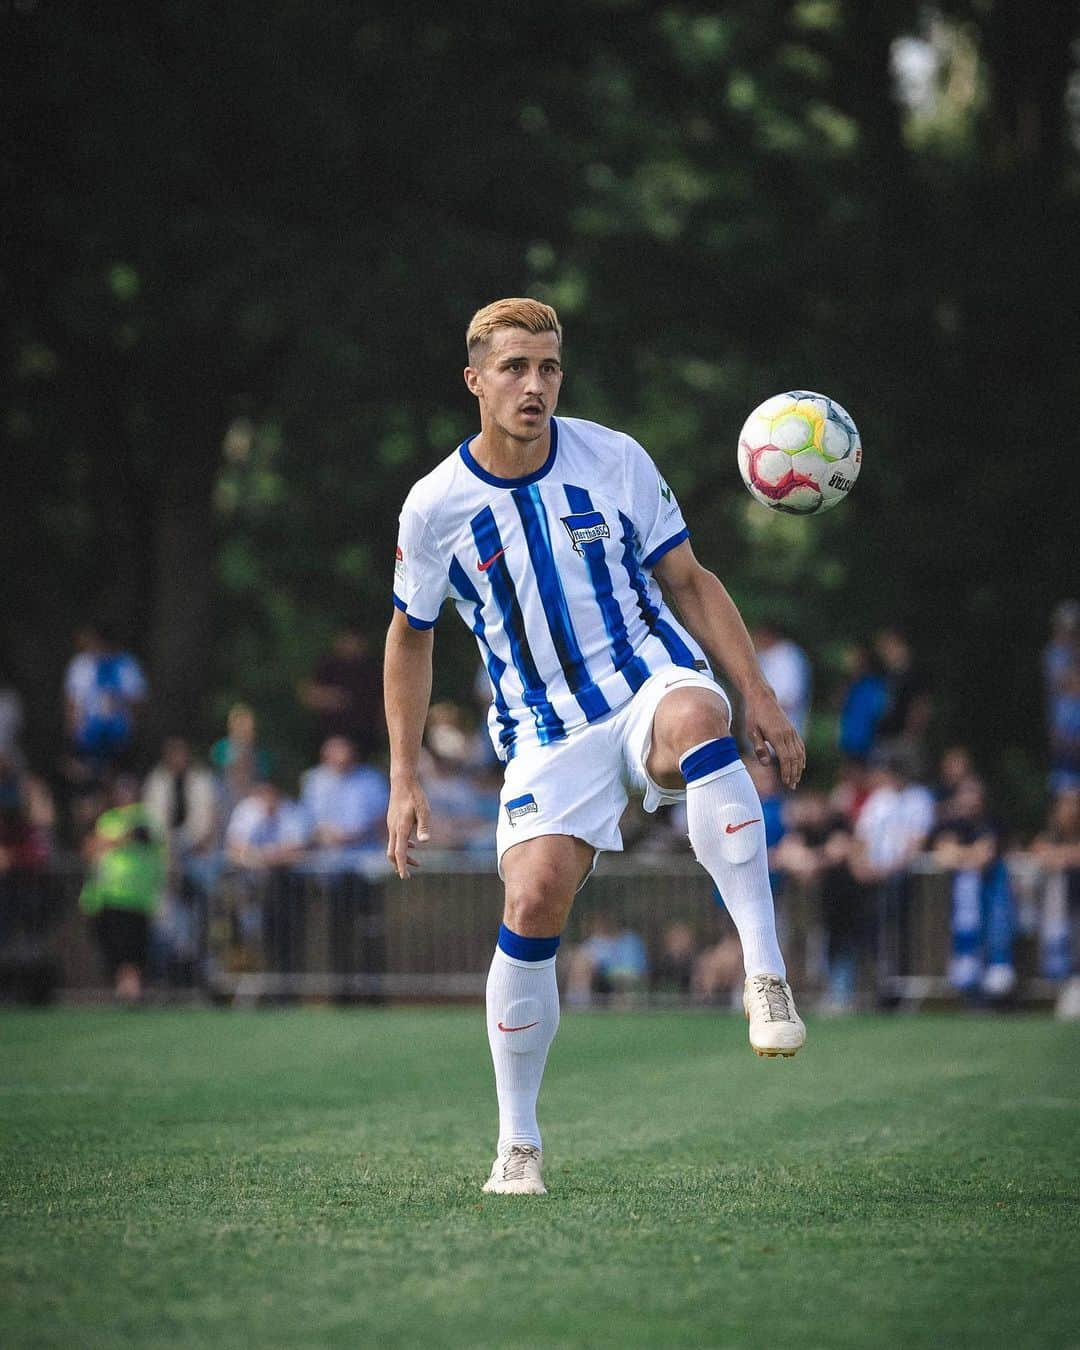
x,y
657,518
421,578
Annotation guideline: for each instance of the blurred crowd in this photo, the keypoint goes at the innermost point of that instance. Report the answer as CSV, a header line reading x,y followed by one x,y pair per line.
x,y
157,840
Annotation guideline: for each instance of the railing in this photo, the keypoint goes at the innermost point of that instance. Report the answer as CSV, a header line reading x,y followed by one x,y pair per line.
x,y
363,934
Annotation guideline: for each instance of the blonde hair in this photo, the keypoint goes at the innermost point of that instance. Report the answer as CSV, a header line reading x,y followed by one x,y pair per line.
x,y
517,312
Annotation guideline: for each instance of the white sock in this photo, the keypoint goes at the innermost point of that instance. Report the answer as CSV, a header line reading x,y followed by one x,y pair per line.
x,y
522,1018
727,833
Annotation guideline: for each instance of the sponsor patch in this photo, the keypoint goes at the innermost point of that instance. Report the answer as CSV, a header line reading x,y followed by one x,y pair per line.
x,y
399,564
519,807
586,528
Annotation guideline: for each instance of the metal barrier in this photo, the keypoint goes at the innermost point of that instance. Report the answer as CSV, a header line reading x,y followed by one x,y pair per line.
x,y
361,934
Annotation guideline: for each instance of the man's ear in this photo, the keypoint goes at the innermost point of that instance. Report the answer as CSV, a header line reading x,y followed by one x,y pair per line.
x,y
472,380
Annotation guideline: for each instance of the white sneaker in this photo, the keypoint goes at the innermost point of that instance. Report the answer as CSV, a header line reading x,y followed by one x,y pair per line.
x,y
775,1027
516,1171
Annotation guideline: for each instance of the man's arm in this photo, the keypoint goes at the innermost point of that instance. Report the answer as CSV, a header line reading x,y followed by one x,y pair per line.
x,y
407,690
712,617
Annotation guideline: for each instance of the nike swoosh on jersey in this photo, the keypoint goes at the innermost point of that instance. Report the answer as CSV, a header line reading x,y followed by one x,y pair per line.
x,y
734,829
524,1028
483,566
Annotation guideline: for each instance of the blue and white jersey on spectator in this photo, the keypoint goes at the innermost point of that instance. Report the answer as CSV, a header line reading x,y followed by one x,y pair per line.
x,y
553,573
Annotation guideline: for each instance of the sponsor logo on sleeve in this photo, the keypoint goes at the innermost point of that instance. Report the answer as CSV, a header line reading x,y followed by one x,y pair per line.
x,y
586,528
665,491
399,564
520,807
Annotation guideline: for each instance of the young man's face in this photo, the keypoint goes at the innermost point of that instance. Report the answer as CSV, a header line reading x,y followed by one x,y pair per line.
x,y
517,382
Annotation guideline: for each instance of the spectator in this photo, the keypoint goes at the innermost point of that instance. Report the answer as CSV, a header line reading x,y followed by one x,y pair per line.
x,y
237,759
345,805
265,839
818,849
463,798
903,724
968,845
891,830
954,768
611,960
30,793
865,699
1057,850
1062,652
766,779
266,829
127,876
786,667
1065,732
851,790
673,970
104,688
718,971
345,802
895,820
181,797
345,693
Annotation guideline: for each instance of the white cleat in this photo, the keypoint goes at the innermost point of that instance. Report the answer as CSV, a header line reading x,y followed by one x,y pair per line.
x,y
516,1171
775,1027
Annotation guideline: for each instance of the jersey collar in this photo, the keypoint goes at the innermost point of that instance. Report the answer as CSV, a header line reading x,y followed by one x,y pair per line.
x,y
493,481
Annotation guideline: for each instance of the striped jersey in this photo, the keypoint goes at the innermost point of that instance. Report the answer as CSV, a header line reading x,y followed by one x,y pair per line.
x,y
553,574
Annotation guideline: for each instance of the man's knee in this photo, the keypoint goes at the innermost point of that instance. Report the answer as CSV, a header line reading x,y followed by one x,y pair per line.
x,y
537,904
687,717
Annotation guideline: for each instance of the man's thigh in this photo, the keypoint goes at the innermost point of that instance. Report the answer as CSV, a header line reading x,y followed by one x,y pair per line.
x,y
542,876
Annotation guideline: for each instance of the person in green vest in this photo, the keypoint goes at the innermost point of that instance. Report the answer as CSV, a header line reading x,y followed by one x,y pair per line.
x,y
128,865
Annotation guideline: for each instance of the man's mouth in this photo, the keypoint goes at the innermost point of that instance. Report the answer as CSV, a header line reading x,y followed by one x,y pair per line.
x,y
532,409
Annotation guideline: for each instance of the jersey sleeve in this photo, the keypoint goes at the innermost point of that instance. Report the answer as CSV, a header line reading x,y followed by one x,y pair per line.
x,y
421,579
658,521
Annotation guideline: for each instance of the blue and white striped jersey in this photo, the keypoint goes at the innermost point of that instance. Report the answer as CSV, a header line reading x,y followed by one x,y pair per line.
x,y
552,572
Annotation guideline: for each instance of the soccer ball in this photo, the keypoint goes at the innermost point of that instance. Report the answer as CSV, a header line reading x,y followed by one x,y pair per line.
x,y
799,452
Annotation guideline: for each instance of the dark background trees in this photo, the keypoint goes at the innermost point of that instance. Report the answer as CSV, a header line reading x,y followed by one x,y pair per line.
x,y
241,242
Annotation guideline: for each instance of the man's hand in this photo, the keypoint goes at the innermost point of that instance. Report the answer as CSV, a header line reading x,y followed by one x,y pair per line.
x,y
766,721
408,812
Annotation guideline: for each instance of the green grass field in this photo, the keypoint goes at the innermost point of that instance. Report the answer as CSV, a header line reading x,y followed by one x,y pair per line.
x,y
311,1178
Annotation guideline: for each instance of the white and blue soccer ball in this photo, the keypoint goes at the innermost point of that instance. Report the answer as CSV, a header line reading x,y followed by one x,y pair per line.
x,y
799,453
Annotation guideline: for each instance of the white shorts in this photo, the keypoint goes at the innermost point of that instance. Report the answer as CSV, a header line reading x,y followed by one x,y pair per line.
x,y
581,786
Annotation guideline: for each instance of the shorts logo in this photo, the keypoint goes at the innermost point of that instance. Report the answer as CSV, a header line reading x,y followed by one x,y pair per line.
x,y
586,528
520,807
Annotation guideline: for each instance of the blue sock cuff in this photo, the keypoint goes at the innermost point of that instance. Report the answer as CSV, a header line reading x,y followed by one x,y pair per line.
x,y
708,758
526,948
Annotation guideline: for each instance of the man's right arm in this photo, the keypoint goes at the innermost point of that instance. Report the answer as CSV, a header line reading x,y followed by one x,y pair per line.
x,y
407,690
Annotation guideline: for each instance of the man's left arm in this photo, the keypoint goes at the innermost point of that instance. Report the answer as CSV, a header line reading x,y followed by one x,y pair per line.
x,y
711,616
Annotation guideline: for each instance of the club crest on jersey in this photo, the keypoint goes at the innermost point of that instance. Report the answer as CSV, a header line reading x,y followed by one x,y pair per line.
x,y
520,807
586,528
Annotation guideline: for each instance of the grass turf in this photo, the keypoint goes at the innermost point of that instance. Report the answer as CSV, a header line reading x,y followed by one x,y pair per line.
x,y
311,1178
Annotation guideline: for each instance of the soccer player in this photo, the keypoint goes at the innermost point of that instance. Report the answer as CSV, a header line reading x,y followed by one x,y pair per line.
x,y
553,537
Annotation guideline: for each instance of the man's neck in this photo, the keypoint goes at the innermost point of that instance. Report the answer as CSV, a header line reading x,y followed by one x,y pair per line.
x,y
505,456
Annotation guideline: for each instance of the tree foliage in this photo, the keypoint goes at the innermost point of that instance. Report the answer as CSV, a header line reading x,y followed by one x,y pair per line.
x,y
242,241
